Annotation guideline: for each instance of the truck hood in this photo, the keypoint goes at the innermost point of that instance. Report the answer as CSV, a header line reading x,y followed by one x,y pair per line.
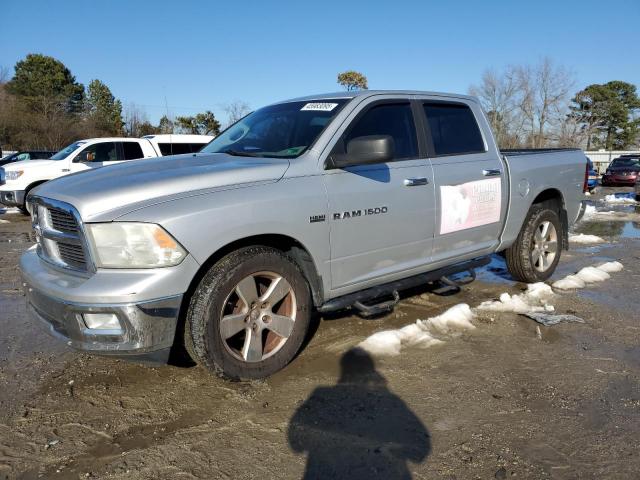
x,y
113,191
28,164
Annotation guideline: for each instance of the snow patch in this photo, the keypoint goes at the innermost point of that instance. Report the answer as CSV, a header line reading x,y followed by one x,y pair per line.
x,y
611,267
592,275
626,198
585,239
588,275
534,299
421,333
4,221
569,282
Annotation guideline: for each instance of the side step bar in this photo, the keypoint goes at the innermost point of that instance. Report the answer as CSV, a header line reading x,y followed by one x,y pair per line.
x,y
357,299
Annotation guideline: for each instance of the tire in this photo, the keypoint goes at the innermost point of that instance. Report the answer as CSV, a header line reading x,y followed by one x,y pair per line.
x,y
526,258
218,304
637,197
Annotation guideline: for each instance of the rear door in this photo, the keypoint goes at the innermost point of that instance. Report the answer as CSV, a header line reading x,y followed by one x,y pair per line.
x,y
470,182
379,215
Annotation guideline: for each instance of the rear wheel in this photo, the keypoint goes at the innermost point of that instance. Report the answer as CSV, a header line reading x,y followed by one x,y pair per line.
x,y
536,252
249,315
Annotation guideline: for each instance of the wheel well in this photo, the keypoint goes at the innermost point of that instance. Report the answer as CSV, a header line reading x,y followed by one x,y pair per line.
x,y
553,199
550,196
31,187
284,243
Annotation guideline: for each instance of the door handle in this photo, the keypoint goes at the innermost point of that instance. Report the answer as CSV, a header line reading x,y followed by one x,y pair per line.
x,y
491,172
415,181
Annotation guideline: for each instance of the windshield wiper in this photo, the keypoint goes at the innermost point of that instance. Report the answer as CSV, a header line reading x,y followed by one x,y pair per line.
x,y
236,153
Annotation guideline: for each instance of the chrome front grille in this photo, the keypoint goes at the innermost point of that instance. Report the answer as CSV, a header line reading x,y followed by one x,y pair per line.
x,y
59,234
62,221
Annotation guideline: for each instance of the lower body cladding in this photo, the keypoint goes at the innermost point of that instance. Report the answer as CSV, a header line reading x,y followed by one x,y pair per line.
x,y
143,331
12,198
101,314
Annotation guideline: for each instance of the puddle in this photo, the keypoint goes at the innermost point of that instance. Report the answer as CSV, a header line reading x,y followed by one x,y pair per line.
x,y
495,272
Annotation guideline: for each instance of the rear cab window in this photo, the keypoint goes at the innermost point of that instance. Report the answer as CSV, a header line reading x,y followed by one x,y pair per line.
x,y
453,128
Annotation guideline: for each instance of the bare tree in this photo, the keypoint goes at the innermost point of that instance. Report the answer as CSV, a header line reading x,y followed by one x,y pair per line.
x,y
527,105
235,111
5,74
134,119
499,95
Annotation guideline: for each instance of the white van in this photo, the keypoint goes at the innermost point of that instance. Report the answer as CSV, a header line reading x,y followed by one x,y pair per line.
x,y
16,179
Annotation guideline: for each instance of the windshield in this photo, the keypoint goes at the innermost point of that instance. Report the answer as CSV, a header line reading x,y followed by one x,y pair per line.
x,y
285,130
66,151
626,162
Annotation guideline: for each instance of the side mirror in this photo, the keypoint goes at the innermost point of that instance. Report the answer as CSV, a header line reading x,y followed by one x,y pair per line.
x,y
364,151
83,157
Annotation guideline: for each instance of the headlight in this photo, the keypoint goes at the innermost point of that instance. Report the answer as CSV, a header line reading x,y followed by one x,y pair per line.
x,y
14,174
134,245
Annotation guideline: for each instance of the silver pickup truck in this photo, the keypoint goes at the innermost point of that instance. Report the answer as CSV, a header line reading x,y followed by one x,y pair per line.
x,y
314,204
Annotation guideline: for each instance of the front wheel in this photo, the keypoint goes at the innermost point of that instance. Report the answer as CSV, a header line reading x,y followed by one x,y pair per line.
x,y
536,252
249,315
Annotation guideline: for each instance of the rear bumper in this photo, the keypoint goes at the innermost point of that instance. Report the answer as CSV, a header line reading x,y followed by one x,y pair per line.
x,y
12,198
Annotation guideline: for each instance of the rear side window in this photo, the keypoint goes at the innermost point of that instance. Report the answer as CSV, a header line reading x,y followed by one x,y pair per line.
x,y
454,129
132,150
395,120
175,148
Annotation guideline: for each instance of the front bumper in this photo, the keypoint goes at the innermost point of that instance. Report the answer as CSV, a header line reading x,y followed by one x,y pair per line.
x,y
12,198
146,328
145,302
618,180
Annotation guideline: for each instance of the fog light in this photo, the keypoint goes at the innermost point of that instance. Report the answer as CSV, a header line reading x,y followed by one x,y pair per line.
x,y
101,321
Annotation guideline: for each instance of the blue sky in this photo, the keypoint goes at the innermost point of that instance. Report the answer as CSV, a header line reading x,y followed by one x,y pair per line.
x,y
200,55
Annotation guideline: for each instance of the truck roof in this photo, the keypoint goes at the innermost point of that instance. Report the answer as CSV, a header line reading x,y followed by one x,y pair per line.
x,y
369,93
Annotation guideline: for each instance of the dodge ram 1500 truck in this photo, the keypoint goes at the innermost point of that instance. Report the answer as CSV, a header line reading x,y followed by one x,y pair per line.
x,y
318,203
17,179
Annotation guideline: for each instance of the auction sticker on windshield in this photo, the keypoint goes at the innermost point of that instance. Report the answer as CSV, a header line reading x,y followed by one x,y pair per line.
x,y
470,205
320,106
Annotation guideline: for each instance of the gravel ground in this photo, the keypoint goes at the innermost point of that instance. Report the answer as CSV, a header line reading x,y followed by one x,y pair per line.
x,y
508,399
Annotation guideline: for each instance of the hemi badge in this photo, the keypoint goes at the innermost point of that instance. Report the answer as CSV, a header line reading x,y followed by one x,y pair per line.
x,y
316,218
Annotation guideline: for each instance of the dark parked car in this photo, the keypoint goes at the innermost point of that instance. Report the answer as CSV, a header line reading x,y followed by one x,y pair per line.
x,y
623,171
26,155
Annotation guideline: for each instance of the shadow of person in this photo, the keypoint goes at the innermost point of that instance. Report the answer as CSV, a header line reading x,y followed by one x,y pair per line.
x,y
358,429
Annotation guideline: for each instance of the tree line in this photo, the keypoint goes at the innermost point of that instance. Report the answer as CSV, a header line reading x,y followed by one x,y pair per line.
x,y
43,106
528,106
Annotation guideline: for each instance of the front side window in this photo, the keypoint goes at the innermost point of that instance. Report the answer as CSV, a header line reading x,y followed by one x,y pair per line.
x,y
285,130
23,156
454,129
99,152
393,119
132,150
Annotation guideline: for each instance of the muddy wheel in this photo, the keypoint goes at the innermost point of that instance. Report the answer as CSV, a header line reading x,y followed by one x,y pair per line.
x,y
536,252
249,315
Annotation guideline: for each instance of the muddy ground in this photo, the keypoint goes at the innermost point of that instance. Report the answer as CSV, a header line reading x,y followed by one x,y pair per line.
x,y
500,401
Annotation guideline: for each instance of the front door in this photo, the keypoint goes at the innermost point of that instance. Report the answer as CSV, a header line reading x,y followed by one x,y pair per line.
x,y
381,215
